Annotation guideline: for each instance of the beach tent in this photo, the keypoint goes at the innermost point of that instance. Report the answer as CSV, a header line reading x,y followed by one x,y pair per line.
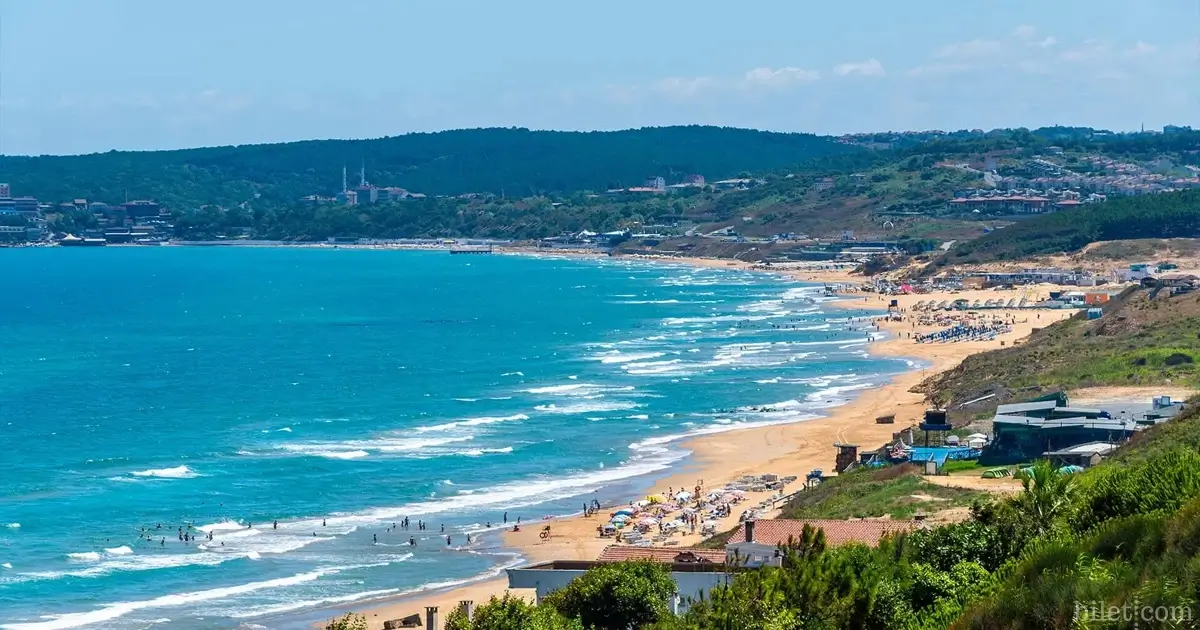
x,y
620,518
976,443
643,503
683,496
977,436
654,498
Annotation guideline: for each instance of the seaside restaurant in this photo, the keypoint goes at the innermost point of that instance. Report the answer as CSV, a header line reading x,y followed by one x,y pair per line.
x,y
1026,431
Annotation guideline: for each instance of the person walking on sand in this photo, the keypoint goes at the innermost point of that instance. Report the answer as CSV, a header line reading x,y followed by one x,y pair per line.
x,y
506,518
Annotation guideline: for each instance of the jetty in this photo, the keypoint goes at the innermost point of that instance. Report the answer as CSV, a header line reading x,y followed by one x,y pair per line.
x,y
470,249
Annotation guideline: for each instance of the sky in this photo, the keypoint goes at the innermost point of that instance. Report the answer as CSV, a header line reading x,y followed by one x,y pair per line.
x,y
81,76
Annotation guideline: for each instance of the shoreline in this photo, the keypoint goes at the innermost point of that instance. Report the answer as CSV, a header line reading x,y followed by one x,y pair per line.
x,y
793,448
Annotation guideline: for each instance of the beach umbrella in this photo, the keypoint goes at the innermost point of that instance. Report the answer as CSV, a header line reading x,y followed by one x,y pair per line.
x,y
623,511
683,496
654,498
642,503
648,521
620,518
710,522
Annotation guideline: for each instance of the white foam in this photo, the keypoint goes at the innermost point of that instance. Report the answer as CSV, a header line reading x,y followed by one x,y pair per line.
x,y
473,422
558,389
85,556
178,472
343,454
616,356
513,374
223,526
467,399
264,611
640,416
13,526
123,550
120,609
476,452
6,565
594,407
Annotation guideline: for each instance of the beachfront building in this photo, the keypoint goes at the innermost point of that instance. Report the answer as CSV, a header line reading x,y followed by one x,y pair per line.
x,y
1028,431
757,543
695,571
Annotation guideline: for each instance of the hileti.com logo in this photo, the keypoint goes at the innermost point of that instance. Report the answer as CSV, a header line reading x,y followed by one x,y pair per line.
x,y
1135,613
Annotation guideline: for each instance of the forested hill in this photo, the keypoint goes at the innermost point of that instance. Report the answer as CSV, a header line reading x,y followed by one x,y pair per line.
x,y
515,162
1167,215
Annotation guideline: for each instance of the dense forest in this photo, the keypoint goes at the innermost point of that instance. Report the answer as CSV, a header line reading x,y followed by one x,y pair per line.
x,y
1167,215
511,162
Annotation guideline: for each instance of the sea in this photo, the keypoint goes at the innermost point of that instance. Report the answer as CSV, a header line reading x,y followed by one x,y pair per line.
x,y
296,403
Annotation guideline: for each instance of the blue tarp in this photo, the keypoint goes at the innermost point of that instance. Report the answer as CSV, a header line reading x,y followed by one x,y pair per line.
x,y
940,454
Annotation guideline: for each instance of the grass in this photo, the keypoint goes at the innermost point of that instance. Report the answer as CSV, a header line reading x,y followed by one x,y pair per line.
x,y
895,491
962,465
1138,341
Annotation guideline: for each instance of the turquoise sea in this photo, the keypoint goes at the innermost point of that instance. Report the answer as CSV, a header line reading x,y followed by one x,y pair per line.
x,y
338,391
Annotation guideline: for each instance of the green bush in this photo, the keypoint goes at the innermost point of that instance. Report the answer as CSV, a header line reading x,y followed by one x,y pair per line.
x,y
616,596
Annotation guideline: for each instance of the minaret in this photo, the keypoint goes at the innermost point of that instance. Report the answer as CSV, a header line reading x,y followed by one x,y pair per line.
x,y
344,188
362,175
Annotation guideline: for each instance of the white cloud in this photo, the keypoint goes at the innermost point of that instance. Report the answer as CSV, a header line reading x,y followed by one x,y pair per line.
x,y
781,77
1048,42
868,68
1089,50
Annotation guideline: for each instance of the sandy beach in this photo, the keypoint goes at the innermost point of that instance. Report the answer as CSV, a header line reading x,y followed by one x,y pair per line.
x,y
791,449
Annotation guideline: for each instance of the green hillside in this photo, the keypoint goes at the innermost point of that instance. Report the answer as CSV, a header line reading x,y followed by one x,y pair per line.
x,y
1168,215
1140,340
513,162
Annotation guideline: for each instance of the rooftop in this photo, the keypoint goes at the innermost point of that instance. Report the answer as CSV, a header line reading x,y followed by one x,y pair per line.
x,y
1088,448
621,553
777,531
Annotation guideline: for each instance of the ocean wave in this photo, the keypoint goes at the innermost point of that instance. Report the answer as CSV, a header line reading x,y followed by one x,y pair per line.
x,y
275,609
473,422
477,452
827,393
596,407
658,444
120,609
467,399
178,472
513,374
616,356
123,550
85,556
525,492
13,526
355,449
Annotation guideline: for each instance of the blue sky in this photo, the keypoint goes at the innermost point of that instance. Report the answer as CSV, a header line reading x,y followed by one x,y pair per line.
x,y
93,75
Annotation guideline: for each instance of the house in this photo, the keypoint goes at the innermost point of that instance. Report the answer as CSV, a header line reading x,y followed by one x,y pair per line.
x,y
757,543
695,571
1083,455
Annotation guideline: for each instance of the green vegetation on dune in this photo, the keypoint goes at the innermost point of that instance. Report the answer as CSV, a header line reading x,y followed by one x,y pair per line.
x,y
896,491
1139,341
1168,215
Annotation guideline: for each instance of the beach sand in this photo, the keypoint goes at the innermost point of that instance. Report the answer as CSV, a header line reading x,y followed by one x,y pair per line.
x,y
792,449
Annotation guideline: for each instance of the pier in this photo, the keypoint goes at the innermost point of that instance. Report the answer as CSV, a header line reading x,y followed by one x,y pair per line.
x,y
470,249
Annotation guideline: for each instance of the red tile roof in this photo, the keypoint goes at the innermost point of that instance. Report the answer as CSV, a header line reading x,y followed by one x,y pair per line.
x,y
665,555
776,532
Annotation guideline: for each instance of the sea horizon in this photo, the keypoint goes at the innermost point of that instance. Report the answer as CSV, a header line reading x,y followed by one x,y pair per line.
x,y
337,392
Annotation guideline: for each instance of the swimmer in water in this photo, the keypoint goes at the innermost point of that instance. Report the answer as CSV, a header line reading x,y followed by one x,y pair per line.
x,y
374,538
412,542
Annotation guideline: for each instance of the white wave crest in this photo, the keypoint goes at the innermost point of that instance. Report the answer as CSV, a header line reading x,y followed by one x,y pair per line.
x,y
178,472
473,422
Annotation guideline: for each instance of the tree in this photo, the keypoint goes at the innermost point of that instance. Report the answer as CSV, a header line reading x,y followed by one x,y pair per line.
x,y
1047,495
510,613
349,621
617,596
